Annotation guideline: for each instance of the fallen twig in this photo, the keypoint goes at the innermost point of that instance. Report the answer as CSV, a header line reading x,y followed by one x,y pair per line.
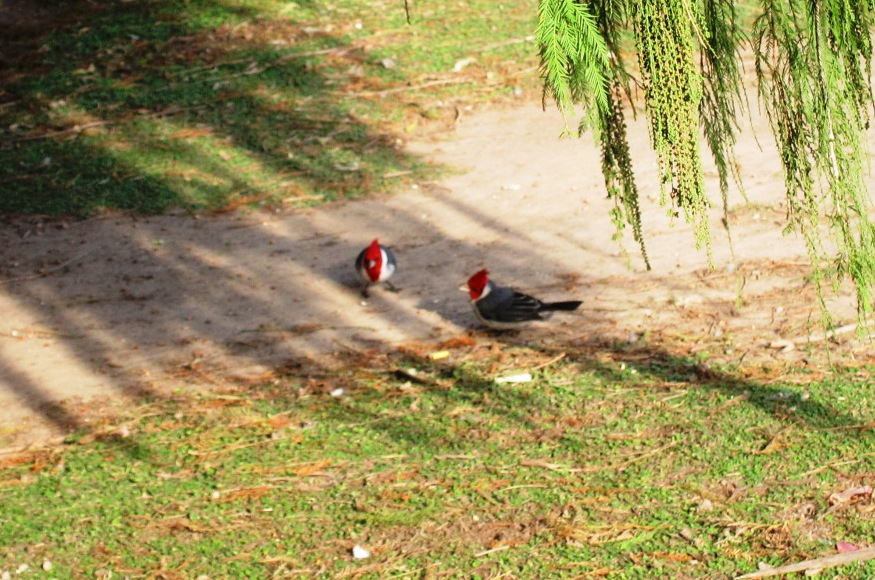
x,y
73,129
427,85
553,360
829,465
397,174
45,273
336,50
76,129
523,486
547,465
646,454
790,343
496,549
813,565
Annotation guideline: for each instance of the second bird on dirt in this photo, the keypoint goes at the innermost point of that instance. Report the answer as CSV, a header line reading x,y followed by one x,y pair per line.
x,y
504,308
376,264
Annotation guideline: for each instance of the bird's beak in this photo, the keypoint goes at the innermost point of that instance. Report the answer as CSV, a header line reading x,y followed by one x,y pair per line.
x,y
464,288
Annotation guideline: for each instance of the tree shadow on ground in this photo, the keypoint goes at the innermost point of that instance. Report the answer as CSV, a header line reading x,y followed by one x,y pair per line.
x,y
200,283
468,399
149,106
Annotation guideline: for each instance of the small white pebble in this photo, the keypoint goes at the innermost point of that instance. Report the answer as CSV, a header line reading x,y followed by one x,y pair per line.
x,y
47,565
360,553
215,495
337,392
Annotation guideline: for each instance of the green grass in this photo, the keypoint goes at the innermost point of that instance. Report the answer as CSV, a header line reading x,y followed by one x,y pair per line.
x,y
620,463
147,106
613,462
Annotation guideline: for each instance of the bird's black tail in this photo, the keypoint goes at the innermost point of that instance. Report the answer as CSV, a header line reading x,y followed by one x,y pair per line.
x,y
569,305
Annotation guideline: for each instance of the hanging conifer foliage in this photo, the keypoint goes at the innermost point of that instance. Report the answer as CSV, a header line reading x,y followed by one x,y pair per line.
x,y
813,65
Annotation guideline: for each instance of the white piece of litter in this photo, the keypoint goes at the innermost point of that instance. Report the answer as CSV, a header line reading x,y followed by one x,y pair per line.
x,y
518,378
337,392
460,64
360,553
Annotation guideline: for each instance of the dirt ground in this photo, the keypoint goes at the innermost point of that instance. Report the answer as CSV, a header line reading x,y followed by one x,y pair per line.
x,y
99,314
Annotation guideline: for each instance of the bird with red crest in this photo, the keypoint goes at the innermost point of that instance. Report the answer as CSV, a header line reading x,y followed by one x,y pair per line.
x,y
376,264
503,308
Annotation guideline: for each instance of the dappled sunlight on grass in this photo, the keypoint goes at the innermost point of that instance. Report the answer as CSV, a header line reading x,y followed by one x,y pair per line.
x,y
667,471
200,105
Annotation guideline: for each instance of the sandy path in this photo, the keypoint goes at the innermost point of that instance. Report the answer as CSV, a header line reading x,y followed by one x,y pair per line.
x,y
106,311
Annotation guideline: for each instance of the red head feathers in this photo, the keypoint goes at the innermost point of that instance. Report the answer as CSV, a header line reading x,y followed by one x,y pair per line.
x,y
477,283
373,261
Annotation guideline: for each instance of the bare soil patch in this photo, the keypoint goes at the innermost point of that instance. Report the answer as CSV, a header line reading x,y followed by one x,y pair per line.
x,y
96,315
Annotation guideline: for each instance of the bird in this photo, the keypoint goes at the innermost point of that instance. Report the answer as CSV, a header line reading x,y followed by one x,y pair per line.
x,y
375,264
503,308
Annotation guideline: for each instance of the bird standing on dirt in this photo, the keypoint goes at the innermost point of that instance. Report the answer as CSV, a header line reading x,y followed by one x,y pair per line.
x,y
504,308
375,264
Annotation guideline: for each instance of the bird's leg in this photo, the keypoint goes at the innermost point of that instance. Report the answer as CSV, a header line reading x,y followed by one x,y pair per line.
x,y
365,290
507,332
391,287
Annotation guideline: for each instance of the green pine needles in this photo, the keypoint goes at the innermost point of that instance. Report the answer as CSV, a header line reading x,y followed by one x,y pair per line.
x,y
813,64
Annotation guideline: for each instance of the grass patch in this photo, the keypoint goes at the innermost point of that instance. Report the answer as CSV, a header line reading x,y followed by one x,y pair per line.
x,y
611,462
147,106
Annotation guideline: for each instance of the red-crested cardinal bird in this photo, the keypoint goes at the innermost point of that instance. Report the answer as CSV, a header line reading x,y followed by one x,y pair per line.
x,y
505,308
375,264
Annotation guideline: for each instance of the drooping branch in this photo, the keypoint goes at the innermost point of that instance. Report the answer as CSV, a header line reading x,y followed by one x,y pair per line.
x,y
672,93
813,65
813,61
